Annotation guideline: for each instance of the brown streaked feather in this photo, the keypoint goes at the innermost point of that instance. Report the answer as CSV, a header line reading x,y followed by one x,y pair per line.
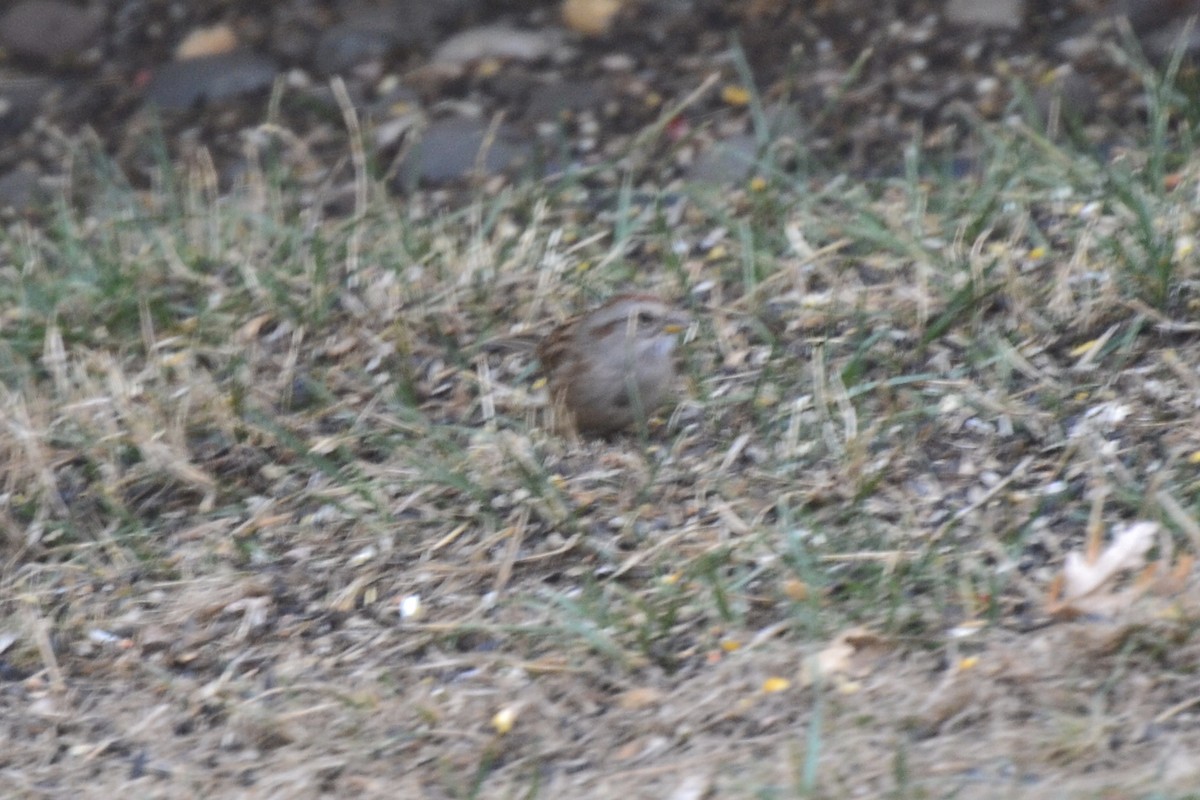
x,y
587,361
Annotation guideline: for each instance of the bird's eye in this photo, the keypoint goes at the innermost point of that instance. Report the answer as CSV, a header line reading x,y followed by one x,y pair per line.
x,y
645,318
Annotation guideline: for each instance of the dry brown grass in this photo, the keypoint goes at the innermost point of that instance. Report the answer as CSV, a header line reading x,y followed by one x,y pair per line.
x,y
236,436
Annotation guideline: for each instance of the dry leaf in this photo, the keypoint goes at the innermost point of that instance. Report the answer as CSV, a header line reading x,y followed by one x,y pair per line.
x,y
639,698
1128,551
1085,584
693,787
850,655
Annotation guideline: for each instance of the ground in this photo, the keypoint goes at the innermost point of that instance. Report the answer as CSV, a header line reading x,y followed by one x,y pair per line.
x,y
284,516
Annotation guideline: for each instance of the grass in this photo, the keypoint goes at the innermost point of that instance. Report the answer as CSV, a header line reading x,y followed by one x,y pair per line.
x,y
239,433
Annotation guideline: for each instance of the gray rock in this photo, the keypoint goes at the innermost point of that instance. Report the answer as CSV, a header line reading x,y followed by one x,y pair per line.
x,y
498,41
986,13
449,149
1068,95
370,31
21,189
196,81
728,161
49,30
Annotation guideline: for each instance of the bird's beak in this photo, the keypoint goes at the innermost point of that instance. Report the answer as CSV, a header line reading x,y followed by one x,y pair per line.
x,y
673,327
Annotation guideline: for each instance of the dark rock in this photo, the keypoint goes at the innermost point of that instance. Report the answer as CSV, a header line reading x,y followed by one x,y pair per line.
x,y
1160,44
20,97
551,101
1147,15
347,45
